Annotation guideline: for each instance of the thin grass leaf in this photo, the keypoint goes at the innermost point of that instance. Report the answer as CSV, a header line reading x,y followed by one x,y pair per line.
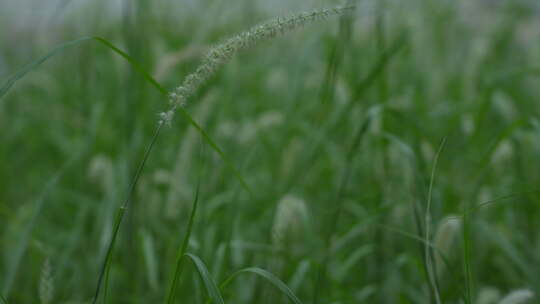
x,y
329,127
466,256
35,64
4,301
216,148
335,217
209,283
39,203
133,63
150,259
24,237
422,241
269,277
428,253
120,214
182,249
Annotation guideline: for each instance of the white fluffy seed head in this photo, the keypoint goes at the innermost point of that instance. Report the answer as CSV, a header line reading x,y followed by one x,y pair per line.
x,y
46,283
519,296
445,237
223,52
289,220
488,295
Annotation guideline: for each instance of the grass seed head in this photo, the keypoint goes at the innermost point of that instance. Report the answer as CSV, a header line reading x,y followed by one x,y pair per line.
x,y
223,52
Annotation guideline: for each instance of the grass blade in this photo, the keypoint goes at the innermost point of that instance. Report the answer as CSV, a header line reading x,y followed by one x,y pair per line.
x,y
209,283
183,248
335,217
269,277
428,253
121,212
35,64
4,301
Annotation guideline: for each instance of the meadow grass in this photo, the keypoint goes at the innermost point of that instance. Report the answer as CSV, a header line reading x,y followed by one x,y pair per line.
x,y
324,179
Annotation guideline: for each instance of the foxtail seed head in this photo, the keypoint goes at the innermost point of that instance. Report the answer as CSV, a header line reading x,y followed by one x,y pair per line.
x,y
223,52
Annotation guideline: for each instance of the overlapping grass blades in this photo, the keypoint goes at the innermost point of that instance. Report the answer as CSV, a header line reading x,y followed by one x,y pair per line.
x,y
428,252
35,64
336,213
182,249
4,301
209,283
119,216
267,276
39,203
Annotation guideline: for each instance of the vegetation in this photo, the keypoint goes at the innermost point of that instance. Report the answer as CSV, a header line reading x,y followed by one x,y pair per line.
x,y
381,152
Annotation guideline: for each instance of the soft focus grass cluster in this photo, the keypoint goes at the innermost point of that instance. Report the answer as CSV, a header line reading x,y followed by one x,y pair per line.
x,y
335,127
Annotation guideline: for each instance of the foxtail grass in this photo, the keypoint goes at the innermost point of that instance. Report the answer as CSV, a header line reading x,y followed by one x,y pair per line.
x,y
428,253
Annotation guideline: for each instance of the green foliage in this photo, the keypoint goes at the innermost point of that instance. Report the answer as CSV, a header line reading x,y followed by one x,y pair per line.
x,y
344,116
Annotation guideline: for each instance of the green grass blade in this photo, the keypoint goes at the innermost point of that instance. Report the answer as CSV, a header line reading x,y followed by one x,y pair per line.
x,y
35,64
209,283
423,242
430,268
39,203
133,63
120,214
4,301
336,213
183,248
267,276
216,148
38,206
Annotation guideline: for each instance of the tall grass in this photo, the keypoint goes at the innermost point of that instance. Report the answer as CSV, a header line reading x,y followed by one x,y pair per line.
x,y
321,185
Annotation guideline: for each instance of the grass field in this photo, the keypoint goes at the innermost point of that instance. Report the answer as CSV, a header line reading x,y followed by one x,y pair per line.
x,y
386,154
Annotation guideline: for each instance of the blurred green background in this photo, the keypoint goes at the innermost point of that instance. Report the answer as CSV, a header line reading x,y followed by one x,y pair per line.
x,y
335,127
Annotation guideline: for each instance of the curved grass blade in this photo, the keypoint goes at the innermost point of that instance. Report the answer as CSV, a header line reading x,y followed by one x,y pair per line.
x,y
336,213
428,253
133,63
269,277
120,215
118,220
218,150
183,248
35,64
422,241
39,204
184,113
4,301
24,239
209,283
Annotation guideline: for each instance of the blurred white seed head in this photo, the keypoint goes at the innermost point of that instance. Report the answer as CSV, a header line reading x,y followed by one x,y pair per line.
x,y
267,120
467,124
161,177
290,219
503,152
101,171
488,295
519,296
504,105
223,52
46,283
445,237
